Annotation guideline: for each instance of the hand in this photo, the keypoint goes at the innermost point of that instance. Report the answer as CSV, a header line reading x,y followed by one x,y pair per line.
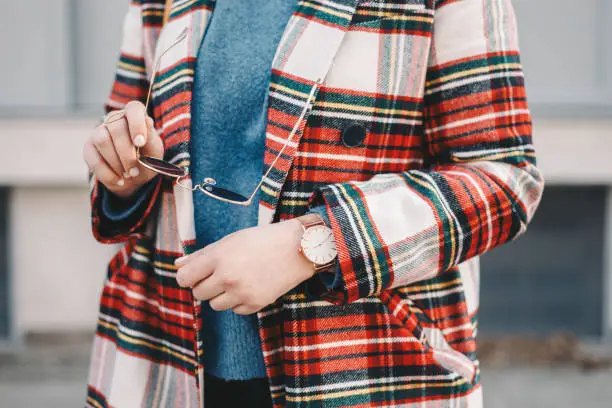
x,y
247,270
110,152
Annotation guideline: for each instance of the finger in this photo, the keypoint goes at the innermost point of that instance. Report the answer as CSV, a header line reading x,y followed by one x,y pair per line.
x,y
154,146
208,288
189,275
136,116
102,171
206,251
224,301
103,142
243,310
125,149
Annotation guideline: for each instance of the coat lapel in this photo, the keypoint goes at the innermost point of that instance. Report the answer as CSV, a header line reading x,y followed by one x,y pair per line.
x,y
304,56
172,99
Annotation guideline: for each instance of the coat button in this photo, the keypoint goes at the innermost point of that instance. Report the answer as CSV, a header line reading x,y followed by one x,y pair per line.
x,y
354,135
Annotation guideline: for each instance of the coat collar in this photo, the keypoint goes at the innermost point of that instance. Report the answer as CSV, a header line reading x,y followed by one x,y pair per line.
x,y
305,54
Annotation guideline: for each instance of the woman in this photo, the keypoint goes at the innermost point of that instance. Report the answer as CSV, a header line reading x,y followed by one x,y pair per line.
x,y
311,237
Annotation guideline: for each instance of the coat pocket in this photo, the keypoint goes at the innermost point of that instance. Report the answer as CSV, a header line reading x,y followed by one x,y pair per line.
x,y
431,337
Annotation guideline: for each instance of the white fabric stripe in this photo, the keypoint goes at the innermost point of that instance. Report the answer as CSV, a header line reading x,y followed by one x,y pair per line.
x,y
470,277
366,118
130,74
158,271
381,5
152,302
274,351
398,58
471,80
467,326
180,157
170,86
140,257
455,361
137,334
337,6
177,4
297,102
272,183
349,343
296,194
178,118
280,140
269,312
277,387
183,203
477,119
164,273
306,305
356,158
486,152
149,6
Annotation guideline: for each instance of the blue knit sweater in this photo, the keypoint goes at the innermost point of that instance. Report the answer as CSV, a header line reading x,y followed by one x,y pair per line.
x,y
229,115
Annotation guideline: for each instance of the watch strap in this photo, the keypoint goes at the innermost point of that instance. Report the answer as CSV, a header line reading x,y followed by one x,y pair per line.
x,y
318,221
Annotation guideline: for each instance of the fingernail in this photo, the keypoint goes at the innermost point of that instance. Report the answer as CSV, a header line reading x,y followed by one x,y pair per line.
x,y
121,183
180,260
139,140
134,172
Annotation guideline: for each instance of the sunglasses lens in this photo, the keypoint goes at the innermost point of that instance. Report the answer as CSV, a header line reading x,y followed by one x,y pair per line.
x,y
161,166
224,194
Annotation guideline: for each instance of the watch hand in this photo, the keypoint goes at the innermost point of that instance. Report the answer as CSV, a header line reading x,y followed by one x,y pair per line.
x,y
323,241
318,245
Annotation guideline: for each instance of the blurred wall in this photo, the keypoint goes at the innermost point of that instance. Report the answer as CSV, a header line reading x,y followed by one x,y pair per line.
x,y
51,95
62,54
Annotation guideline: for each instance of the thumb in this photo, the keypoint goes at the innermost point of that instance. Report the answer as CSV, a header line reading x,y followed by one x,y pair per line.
x,y
154,146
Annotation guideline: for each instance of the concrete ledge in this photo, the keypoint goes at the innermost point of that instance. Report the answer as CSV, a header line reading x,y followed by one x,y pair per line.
x,y
575,152
49,151
43,151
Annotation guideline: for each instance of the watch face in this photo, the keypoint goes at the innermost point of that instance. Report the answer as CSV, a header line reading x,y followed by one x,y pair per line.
x,y
318,244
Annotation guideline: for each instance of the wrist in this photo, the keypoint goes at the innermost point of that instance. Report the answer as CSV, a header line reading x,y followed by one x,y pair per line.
x,y
305,268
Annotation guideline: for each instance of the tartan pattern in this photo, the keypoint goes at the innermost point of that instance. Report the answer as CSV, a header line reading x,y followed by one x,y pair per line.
x,y
446,172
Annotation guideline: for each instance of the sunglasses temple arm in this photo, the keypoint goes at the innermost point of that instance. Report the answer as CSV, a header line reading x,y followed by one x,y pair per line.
x,y
180,38
293,132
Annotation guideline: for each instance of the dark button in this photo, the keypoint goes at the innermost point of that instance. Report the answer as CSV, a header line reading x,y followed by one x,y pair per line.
x,y
354,135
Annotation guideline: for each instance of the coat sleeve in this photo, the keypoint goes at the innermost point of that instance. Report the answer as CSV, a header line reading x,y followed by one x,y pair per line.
x,y
130,83
481,187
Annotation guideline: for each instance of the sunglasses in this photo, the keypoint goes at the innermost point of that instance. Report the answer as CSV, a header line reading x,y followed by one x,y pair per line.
x,y
208,185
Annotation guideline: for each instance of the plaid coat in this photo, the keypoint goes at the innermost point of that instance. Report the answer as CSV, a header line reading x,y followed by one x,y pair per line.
x,y
419,145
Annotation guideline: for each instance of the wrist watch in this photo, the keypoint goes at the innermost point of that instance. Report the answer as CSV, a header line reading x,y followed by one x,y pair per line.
x,y
317,243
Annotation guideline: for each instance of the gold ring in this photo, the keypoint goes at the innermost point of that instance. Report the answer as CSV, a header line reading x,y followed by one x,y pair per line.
x,y
114,116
